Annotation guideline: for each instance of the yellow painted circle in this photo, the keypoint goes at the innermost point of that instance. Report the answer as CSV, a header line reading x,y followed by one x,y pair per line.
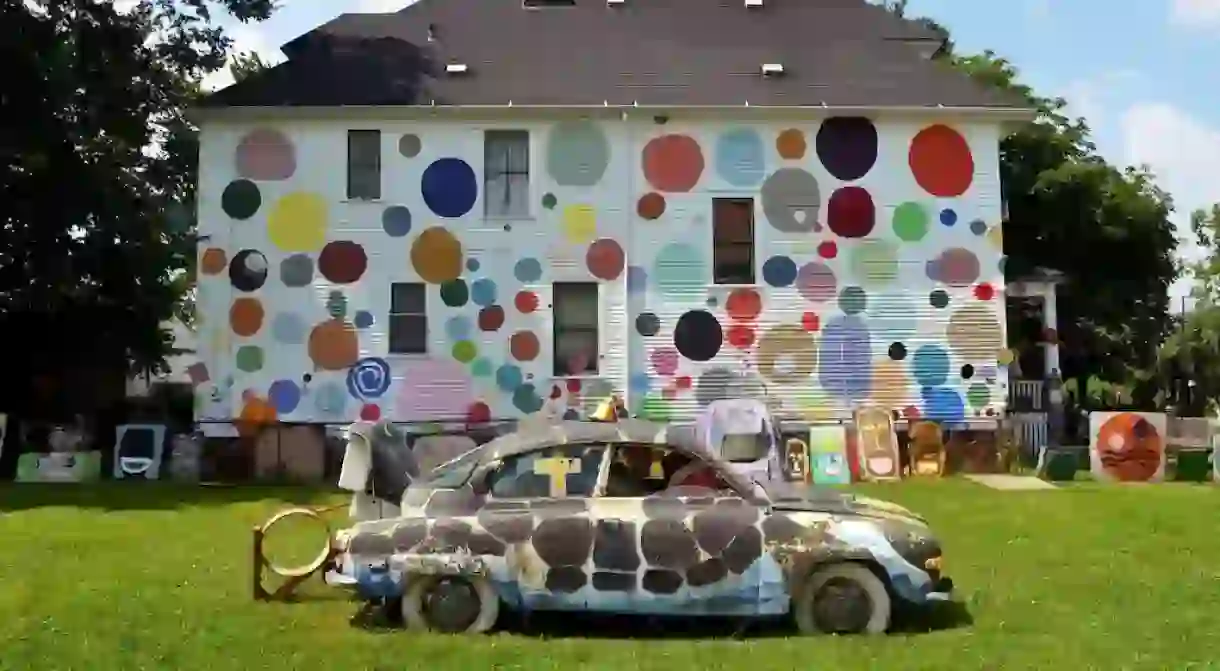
x,y
579,224
1004,357
297,222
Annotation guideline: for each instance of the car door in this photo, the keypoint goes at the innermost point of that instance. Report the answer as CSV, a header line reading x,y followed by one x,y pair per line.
x,y
665,550
538,503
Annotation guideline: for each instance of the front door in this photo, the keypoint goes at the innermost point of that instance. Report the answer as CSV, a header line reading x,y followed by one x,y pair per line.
x,y
681,542
544,496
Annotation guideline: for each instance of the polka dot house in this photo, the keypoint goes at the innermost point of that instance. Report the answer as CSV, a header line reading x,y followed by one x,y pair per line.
x,y
827,264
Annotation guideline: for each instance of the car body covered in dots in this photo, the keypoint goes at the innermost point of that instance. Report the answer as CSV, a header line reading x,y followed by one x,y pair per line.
x,y
629,517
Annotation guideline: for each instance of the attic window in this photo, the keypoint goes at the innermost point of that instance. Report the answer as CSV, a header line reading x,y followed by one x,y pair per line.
x,y
540,4
772,69
457,68
615,3
754,3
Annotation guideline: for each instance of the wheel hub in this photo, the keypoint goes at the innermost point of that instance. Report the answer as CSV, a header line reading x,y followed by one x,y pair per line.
x,y
452,605
842,606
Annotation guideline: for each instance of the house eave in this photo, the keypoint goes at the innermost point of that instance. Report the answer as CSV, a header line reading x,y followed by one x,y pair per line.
x,y
1008,117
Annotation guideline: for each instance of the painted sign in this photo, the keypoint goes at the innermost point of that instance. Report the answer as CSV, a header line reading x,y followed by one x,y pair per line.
x,y
877,443
137,451
828,455
796,461
1127,446
59,467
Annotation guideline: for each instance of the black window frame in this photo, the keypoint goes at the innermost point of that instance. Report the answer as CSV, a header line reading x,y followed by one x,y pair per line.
x,y
558,328
740,274
408,311
498,165
363,176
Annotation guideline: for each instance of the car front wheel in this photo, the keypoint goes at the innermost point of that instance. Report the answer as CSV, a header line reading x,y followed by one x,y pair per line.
x,y
844,598
450,604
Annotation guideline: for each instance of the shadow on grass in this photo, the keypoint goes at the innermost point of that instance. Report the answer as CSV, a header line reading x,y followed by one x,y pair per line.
x,y
117,496
557,625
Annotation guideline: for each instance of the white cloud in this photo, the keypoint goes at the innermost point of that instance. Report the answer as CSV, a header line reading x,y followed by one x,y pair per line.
x,y
1195,13
246,38
1185,155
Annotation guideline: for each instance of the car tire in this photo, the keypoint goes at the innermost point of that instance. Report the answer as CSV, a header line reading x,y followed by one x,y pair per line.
x,y
418,611
861,603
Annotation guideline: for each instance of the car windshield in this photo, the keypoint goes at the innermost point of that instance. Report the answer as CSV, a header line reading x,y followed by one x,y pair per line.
x,y
455,472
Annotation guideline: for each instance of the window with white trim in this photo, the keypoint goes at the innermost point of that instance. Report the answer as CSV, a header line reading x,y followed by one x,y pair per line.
x,y
506,173
575,314
733,240
408,330
363,164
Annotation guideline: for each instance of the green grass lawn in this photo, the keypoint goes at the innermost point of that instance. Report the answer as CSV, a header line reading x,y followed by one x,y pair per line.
x,y
158,577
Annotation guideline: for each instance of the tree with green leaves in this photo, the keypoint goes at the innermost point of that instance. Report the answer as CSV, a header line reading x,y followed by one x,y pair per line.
x,y
1190,357
1108,230
99,168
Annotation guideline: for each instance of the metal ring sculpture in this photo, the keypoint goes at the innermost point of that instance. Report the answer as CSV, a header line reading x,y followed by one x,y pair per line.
x,y
292,576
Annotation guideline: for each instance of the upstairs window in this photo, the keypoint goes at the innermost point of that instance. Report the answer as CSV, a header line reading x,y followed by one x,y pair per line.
x,y
506,173
575,320
408,318
363,164
733,240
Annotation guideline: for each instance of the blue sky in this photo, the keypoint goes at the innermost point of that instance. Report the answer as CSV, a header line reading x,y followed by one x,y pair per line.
x,y
1145,73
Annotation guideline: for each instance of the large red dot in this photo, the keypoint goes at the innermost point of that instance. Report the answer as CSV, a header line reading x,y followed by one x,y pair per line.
x,y
605,259
740,336
850,212
984,292
810,322
828,249
370,413
941,162
526,302
743,304
673,163
491,318
478,413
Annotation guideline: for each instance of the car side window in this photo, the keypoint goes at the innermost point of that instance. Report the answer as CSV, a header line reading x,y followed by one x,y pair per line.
x,y
554,472
643,470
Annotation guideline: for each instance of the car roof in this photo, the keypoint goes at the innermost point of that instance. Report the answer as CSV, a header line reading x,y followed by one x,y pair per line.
x,y
534,437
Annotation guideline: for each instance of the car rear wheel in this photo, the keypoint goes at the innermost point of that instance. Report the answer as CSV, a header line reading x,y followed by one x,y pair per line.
x,y
844,598
450,604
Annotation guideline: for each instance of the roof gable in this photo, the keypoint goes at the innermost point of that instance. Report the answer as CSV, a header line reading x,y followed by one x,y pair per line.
x,y
834,53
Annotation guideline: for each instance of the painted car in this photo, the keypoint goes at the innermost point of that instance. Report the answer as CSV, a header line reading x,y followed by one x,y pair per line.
x,y
581,516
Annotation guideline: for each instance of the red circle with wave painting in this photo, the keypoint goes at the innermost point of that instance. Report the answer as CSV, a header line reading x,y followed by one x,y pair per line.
x,y
941,161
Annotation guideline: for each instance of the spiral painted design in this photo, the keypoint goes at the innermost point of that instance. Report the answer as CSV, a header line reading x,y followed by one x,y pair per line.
x,y
369,378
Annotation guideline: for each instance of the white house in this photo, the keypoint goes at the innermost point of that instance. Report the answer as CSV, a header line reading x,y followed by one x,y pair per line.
x,y
474,210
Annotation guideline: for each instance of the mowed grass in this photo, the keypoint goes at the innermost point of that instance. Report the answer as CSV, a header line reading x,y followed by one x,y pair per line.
x,y
158,577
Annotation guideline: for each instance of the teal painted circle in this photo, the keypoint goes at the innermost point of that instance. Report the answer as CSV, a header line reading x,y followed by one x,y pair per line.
x,y
679,271
741,157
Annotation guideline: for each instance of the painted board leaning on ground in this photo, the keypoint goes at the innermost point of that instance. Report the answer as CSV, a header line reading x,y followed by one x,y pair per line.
x,y
873,272
1127,446
828,455
877,444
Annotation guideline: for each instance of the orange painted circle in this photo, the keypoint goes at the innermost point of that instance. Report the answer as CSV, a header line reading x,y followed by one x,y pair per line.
x,y
1130,448
213,261
334,345
941,161
524,346
743,304
650,206
436,255
256,413
673,163
791,144
246,316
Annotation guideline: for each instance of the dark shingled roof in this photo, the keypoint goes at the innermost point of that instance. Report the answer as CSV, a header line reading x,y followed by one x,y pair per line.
x,y
835,53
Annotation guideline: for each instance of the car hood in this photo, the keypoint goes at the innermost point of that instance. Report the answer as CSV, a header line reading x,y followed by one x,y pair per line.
x,y
800,497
